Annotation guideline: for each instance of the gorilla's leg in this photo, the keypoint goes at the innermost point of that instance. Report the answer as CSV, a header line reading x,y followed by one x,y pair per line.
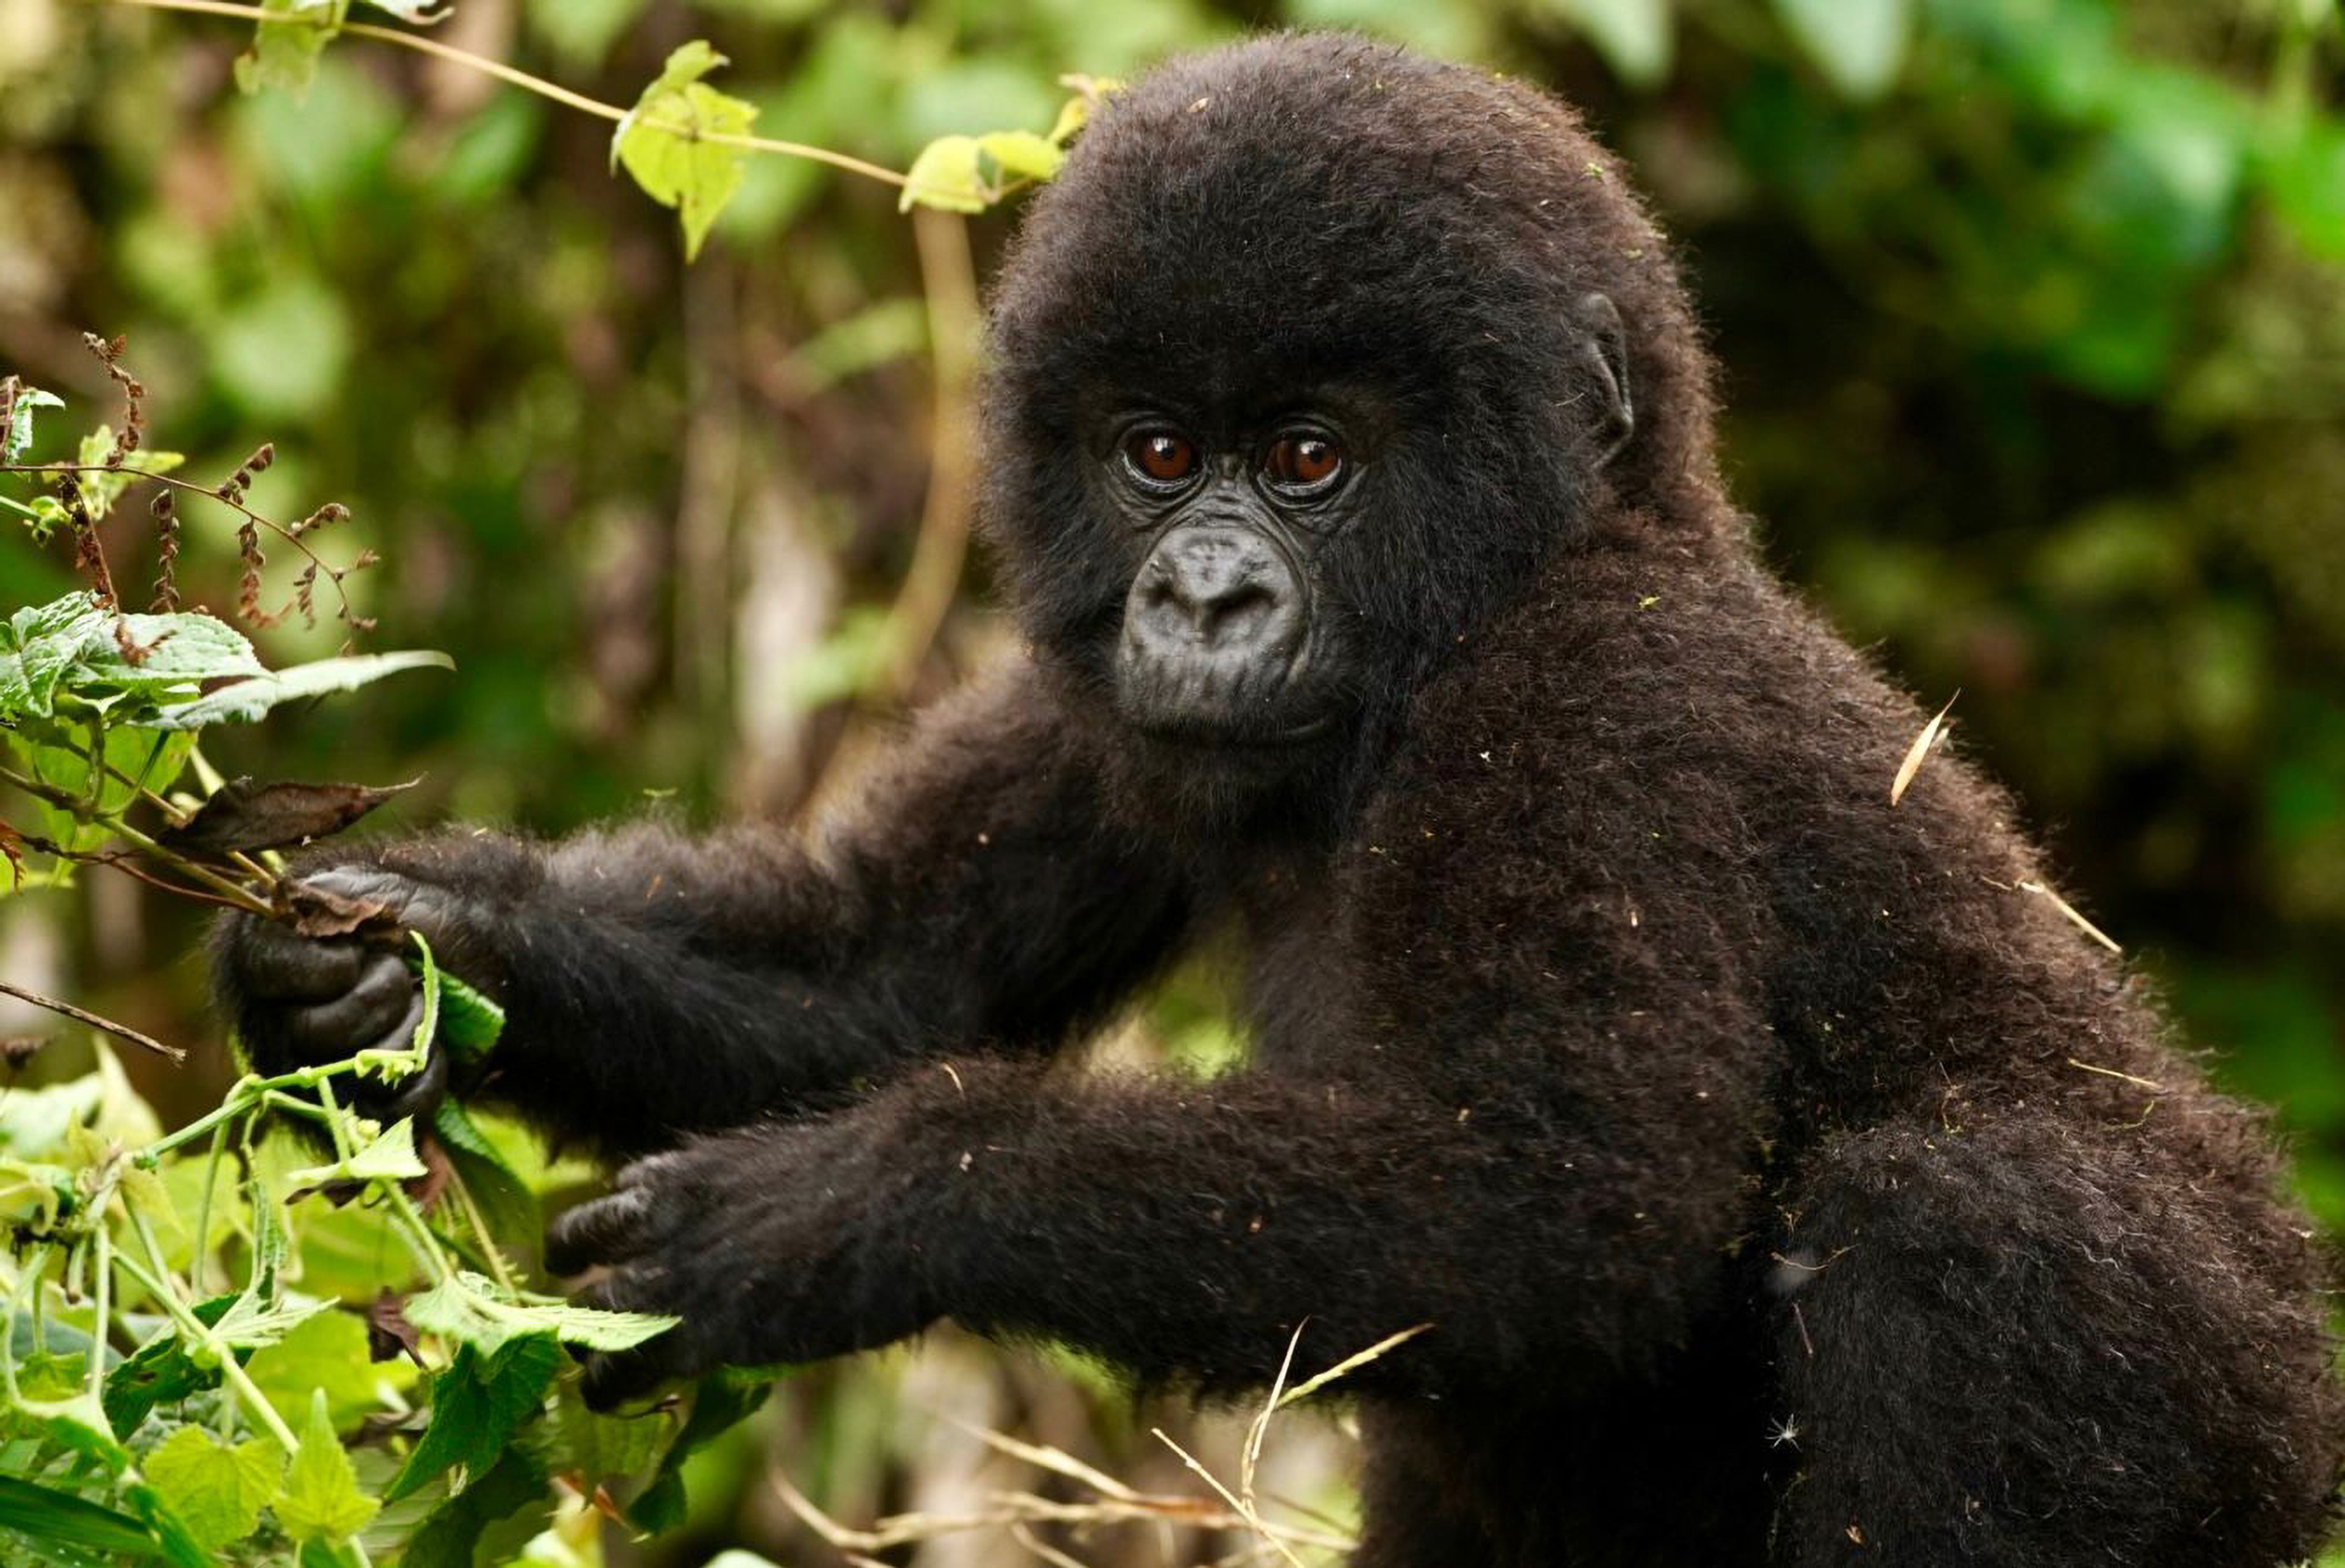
x,y
1668,1470
2017,1343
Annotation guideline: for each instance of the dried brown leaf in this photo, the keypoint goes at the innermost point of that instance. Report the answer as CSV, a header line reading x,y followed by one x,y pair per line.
x,y
245,815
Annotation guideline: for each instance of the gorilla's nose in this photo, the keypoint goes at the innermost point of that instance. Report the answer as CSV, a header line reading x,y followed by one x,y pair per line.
x,y
1214,590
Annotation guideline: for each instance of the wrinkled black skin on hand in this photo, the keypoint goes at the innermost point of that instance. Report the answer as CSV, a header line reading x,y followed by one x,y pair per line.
x,y
1604,1014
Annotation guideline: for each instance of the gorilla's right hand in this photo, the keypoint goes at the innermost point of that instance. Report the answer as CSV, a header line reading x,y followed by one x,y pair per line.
x,y
297,1000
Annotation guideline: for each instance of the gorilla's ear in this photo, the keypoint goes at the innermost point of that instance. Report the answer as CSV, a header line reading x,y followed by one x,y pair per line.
x,y
1604,353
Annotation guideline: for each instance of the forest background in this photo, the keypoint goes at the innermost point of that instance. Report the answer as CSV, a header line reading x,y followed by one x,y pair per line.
x,y
2032,320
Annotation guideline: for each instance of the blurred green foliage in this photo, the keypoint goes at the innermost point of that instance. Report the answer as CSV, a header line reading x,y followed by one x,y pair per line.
x,y
2032,314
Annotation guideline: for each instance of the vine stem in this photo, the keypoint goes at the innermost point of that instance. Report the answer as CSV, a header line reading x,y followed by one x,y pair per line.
x,y
523,79
195,1327
240,897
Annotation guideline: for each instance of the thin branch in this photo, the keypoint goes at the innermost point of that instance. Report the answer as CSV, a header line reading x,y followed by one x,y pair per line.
x,y
523,79
948,279
83,1016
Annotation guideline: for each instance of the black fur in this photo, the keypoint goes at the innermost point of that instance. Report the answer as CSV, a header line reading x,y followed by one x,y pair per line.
x,y
1785,1182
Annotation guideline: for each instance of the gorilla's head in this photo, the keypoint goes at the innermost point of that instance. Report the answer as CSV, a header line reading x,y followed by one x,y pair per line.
x,y
1310,357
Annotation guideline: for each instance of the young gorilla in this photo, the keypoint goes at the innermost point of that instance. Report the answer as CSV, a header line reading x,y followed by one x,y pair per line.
x,y
1352,467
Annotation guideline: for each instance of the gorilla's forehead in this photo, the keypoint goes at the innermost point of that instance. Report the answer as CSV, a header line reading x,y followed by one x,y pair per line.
x,y
1266,215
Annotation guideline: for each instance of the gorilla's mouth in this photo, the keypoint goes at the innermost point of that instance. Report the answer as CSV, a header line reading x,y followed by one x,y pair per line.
x,y
1216,704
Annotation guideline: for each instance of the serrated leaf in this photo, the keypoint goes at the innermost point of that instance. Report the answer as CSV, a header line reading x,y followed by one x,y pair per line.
x,y
946,175
1022,153
285,46
101,490
477,1405
1857,43
508,1208
720,1402
217,1490
470,1022
39,644
160,1373
447,1537
322,1499
660,144
20,427
588,1448
248,700
389,1155
469,1310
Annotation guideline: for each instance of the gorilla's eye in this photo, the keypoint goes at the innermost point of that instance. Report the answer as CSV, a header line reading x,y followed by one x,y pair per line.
x,y
1162,456
1304,461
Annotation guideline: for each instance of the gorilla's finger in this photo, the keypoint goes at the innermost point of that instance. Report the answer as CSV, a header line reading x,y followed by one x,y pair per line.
x,y
410,1097
643,1172
384,992
271,964
599,1233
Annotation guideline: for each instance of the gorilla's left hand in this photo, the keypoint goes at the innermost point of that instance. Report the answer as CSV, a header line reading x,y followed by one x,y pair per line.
x,y
782,1243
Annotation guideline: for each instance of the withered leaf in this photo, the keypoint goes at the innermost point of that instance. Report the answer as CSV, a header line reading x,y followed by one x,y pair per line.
x,y
389,1333
245,815
313,911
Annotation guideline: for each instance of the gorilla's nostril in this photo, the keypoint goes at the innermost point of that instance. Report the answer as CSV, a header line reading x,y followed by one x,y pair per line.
x,y
1239,615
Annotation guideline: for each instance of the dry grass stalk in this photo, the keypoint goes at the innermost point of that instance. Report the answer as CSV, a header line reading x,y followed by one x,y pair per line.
x,y
2068,909
1113,1502
1920,750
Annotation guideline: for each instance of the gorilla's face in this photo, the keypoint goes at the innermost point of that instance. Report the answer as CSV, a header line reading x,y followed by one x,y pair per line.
x,y
1231,632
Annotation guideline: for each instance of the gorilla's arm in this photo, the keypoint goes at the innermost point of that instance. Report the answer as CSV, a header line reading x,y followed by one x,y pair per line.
x,y
1543,1151
657,985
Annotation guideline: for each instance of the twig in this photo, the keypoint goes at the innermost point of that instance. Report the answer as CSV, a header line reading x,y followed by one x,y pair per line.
x,y
523,79
948,279
80,1015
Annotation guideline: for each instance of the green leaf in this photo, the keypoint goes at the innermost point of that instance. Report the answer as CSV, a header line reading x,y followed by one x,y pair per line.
x,y
469,1310
99,491
946,175
20,427
56,1516
217,1490
1633,36
1022,153
446,1538
660,144
589,1448
720,1402
508,1208
477,1406
389,1155
160,1374
37,646
469,1022
248,700
321,1501
1857,43
284,52
44,515
325,1352
134,758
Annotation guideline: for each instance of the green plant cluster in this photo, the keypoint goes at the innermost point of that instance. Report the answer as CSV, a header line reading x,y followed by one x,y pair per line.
x,y
226,1345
